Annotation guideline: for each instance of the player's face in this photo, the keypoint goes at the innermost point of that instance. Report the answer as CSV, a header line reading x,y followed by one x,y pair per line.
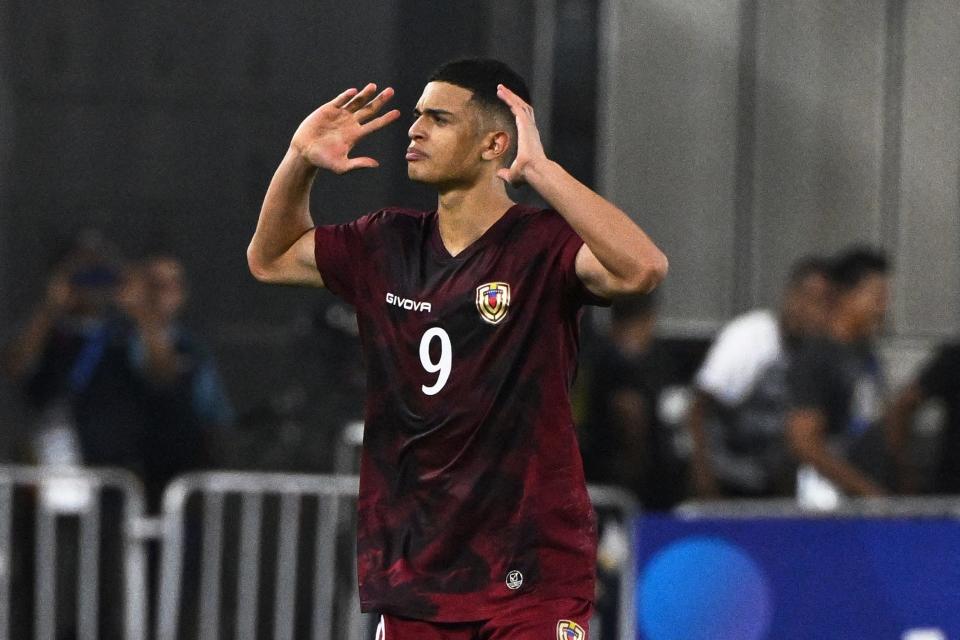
x,y
445,141
868,301
807,305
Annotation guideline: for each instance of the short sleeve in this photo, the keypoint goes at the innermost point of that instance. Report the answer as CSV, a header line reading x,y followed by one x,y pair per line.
x,y
809,380
742,351
574,289
340,251
939,378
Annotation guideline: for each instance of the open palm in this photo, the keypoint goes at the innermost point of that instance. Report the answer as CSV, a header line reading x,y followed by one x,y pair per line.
x,y
326,137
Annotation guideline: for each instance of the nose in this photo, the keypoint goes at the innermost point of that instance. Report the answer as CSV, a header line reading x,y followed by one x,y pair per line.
x,y
416,131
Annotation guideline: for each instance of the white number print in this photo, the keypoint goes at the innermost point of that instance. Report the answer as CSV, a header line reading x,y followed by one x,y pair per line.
x,y
443,366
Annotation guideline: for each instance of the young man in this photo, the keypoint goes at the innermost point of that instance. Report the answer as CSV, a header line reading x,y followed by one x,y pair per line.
x,y
474,519
740,398
837,388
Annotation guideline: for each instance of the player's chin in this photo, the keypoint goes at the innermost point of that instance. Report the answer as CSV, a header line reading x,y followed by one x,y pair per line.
x,y
417,174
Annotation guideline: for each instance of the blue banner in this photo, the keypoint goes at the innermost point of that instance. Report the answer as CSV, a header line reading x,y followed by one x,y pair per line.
x,y
820,579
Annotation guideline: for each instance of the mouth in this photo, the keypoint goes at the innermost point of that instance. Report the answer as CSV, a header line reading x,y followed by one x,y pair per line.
x,y
415,154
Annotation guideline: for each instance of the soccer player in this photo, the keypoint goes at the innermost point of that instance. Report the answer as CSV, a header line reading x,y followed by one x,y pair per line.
x,y
474,519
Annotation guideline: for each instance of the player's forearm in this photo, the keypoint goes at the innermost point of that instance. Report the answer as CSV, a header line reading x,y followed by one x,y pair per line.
x,y
285,214
618,243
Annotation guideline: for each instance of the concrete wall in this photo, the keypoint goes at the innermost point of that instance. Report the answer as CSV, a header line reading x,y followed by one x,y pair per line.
x,y
747,133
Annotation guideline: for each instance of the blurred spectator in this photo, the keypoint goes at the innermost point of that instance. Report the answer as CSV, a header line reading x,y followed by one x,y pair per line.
x,y
623,442
185,405
736,419
70,360
112,377
837,388
939,380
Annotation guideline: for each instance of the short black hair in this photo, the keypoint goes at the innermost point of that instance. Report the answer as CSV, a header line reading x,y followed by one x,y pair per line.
x,y
857,263
481,76
808,266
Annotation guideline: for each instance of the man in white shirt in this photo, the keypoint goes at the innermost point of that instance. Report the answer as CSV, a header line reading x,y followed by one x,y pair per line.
x,y
737,417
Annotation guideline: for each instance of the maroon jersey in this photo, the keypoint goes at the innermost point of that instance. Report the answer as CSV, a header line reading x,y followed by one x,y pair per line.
x,y
472,495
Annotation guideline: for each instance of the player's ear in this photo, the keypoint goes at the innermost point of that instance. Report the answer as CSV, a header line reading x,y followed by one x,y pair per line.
x,y
496,145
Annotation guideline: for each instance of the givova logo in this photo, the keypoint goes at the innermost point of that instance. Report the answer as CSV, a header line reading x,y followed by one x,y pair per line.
x,y
405,303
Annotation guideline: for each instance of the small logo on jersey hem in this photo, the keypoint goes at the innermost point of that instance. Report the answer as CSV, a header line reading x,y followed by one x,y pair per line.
x,y
514,580
570,630
493,301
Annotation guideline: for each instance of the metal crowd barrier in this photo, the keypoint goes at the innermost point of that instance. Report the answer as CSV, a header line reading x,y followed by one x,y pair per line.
x,y
238,548
66,514
332,528
243,555
622,506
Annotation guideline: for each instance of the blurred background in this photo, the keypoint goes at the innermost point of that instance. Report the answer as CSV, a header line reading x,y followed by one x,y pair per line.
x,y
743,135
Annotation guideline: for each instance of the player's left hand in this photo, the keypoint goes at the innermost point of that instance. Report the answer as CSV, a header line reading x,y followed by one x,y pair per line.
x,y
529,147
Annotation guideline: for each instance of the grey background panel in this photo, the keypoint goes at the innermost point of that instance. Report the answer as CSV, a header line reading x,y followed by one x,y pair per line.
x,y
928,251
668,141
818,132
841,124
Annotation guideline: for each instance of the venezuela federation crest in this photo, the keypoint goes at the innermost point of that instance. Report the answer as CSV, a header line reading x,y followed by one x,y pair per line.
x,y
493,300
570,630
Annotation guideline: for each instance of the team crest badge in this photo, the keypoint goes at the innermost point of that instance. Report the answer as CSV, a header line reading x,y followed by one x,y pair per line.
x,y
493,300
570,630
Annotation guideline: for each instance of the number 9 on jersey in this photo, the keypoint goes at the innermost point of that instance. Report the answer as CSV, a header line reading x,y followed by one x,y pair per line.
x,y
442,366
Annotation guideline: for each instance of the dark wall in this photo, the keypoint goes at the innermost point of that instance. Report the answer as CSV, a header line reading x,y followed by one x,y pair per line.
x,y
162,123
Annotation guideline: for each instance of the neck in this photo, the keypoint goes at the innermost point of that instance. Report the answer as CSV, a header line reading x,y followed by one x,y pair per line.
x,y
465,213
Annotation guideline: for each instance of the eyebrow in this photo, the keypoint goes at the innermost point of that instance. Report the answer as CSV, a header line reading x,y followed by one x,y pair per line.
x,y
432,112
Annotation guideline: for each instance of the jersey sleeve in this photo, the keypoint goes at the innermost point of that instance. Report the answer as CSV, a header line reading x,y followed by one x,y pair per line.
x,y
939,379
341,254
575,291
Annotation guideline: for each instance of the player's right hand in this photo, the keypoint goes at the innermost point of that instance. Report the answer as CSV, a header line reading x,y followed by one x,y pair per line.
x,y
328,134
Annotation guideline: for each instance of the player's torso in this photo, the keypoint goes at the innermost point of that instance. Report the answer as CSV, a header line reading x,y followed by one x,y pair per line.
x,y
470,466
446,331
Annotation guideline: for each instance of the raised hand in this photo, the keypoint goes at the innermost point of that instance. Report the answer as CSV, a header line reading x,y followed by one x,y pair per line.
x,y
326,137
529,147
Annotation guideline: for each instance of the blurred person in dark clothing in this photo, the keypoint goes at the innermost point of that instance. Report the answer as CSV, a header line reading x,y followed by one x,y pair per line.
x,y
185,405
111,374
938,380
736,420
71,363
837,386
623,442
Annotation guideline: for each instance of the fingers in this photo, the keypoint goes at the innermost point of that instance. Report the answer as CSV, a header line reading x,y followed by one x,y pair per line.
x,y
372,107
382,121
358,101
517,105
344,97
